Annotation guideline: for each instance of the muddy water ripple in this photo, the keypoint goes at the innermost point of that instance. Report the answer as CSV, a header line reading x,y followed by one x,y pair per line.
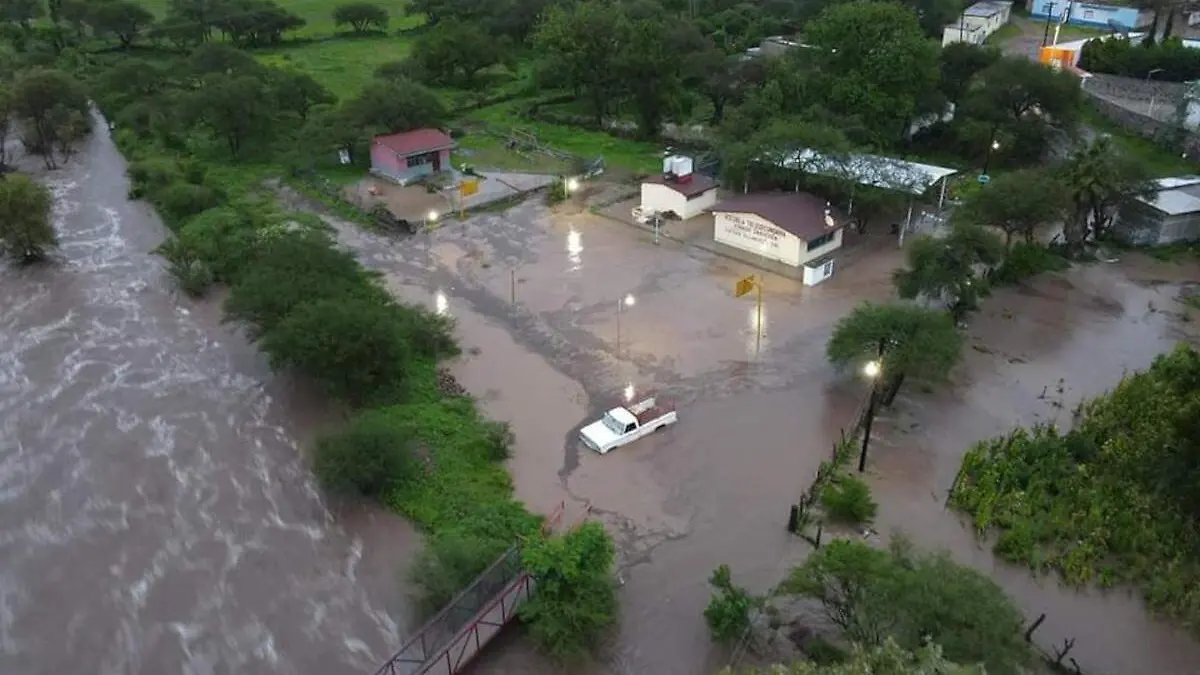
x,y
155,513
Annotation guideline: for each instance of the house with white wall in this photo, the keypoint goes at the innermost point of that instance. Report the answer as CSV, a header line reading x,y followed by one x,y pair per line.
x,y
978,22
678,190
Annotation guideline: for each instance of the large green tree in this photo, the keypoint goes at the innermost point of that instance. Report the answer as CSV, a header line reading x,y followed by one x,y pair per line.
x,y
361,16
1098,179
234,108
914,598
123,19
352,347
454,52
949,268
576,600
42,98
651,70
1017,202
959,63
26,229
871,62
1014,103
908,339
578,46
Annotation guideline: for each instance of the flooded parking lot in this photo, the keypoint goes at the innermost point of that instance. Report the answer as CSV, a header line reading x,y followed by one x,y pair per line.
x,y
538,297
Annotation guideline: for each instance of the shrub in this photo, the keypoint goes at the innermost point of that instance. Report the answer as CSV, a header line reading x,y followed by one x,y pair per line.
x,y
728,611
576,601
848,499
1173,61
367,458
26,228
351,346
446,565
179,201
193,276
1026,260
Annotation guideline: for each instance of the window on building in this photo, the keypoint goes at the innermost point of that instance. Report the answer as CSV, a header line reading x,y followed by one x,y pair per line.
x,y
820,241
420,160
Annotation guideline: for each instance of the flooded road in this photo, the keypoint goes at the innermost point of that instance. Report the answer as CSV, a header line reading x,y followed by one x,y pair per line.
x,y
156,515
550,343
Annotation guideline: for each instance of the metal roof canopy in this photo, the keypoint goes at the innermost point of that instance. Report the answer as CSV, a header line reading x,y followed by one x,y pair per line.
x,y
873,170
1176,196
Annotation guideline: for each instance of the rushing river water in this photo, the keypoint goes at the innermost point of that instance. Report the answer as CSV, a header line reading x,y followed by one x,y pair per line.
x,y
156,515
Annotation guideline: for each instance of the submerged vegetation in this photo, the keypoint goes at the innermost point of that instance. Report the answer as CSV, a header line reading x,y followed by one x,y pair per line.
x,y
1116,500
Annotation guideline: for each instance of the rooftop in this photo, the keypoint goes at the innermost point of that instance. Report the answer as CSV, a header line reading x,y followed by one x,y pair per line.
x,y
697,185
416,142
800,213
987,8
1176,196
874,170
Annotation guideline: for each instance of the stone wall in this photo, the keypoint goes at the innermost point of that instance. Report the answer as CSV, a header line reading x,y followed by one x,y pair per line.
x,y
1134,89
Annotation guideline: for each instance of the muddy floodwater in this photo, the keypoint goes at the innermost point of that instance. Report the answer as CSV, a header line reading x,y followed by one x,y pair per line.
x,y
156,515
551,341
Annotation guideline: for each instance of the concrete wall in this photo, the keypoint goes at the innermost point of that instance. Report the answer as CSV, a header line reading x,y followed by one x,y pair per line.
x,y
1133,88
1145,126
1139,224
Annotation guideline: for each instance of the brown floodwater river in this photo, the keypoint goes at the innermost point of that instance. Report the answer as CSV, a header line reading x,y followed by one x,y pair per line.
x,y
156,515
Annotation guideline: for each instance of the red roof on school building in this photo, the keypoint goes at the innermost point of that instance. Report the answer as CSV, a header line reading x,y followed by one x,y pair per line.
x,y
415,142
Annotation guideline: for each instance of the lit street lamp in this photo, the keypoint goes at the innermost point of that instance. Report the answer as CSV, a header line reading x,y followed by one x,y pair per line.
x,y
993,145
570,185
627,301
871,371
430,218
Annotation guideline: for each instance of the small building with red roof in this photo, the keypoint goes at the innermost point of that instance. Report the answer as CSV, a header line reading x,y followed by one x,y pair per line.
x,y
798,229
409,156
678,190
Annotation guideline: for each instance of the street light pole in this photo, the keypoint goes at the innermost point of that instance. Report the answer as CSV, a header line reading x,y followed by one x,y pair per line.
x,y
1049,11
993,145
872,370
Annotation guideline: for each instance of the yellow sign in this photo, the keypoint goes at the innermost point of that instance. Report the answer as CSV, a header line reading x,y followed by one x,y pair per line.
x,y
743,287
468,187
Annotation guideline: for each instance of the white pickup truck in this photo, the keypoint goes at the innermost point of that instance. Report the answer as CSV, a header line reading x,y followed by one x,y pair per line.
x,y
625,425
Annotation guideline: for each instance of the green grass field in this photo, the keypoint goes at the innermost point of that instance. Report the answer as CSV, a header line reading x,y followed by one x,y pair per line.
x,y
319,14
343,66
1161,162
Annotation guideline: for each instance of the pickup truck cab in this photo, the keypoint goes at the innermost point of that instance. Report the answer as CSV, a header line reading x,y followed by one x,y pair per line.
x,y
620,426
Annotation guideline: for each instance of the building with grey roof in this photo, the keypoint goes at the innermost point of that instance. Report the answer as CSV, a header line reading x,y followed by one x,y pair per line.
x,y
1169,216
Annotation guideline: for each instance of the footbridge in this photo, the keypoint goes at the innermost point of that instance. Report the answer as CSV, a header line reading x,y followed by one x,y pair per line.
x,y
448,641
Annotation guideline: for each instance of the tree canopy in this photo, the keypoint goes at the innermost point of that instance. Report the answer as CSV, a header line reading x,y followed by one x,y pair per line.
x,y
873,595
361,16
1098,179
26,229
915,341
1017,202
887,659
948,269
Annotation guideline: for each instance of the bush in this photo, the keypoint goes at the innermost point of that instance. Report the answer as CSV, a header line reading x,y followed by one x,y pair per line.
x,y
1119,56
179,201
193,276
848,499
1116,500
728,611
1025,260
446,565
576,600
26,228
368,458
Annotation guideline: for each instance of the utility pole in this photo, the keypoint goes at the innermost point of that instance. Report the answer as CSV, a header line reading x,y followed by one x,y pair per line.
x,y
1049,13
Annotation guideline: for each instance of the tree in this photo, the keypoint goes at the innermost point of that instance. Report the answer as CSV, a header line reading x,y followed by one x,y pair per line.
x,y
913,341
1098,179
271,282
298,92
576,600
874,595
254,23
351,346
650,68
871,62
1023,100
235,108
959,63
124,19
453,52
945,268
1017,202
578,47
26,229
38,96
888,659
367,458
361,16
386,107
729,609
